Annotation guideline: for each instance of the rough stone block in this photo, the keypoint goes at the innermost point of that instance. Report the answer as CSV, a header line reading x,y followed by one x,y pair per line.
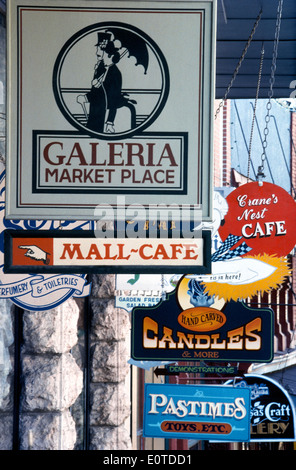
x,y
6,432
51,383
103,286
109,438
51,331
108,322
109,405
109,362
48,431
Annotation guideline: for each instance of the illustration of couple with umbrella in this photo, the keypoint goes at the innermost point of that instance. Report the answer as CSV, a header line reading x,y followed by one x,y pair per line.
x,y
105,95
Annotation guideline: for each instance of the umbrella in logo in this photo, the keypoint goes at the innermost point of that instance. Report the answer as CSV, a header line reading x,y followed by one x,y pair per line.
x,y
133,44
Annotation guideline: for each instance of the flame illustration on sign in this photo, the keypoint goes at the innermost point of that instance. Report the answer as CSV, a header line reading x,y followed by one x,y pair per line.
x,y
260,284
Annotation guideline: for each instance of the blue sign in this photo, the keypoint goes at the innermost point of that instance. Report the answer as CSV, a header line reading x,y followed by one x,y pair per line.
x,y
204,412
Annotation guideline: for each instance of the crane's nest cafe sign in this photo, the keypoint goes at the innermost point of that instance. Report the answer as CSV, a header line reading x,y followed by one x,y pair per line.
x,y
108,99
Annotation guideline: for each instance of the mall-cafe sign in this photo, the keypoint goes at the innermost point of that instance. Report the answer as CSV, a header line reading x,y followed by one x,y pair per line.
x,y
70,251
106,99
197,412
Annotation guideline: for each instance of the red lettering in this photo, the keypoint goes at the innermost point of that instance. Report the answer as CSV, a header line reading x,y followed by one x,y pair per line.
x,y
60,158
131,154
120,252
78,154
167,153
141,251
188,250
108,255
94,154
160,251
112,154
71,251
94,251
176,249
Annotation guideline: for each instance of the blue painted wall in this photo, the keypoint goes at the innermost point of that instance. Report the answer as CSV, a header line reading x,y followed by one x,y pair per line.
x,y
277,163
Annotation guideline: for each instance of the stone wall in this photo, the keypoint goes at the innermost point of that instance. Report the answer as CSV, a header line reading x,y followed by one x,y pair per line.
x,y
110,398
51,376
52,379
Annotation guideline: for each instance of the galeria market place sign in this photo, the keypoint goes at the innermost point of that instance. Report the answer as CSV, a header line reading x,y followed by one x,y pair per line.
x,y
116,114
197,412
81,251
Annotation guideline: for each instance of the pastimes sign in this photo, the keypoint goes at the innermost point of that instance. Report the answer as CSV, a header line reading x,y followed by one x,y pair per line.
x,y
123,107
197,412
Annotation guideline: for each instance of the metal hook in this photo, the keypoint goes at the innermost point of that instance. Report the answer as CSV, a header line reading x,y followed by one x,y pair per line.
x,y
260,175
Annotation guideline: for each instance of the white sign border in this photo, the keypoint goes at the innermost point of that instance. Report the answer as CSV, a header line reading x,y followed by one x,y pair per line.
x,y
86,211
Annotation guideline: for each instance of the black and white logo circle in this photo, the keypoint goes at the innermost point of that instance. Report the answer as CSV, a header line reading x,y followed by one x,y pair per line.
x,y
111,80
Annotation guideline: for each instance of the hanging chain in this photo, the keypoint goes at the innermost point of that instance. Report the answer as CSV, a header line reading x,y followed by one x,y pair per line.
x,y
260,174
255,106
239,64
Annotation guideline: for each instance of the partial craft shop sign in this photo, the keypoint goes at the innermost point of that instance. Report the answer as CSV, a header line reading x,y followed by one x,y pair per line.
x,y
197,412
73,251
123,113
272,409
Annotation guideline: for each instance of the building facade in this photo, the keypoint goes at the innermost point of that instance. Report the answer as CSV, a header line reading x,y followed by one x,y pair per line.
x,y
66,380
